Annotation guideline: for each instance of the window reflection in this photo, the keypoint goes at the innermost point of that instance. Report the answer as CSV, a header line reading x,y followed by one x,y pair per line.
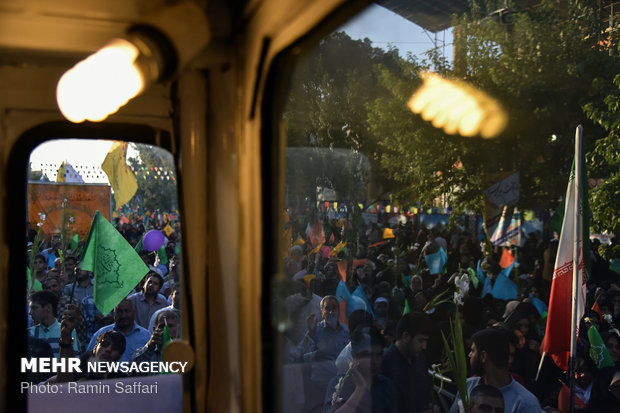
x,y
420,214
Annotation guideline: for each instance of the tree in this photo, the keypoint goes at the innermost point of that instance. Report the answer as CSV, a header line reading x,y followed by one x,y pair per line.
x,y
422,158
327,109
542,69
154,169
604,163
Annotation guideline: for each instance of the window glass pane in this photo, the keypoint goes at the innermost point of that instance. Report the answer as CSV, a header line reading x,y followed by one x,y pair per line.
x,y
104,255
428,153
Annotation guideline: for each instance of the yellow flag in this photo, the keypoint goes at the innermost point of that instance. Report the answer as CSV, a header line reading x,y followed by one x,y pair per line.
x,y
316,249
388,233
122,179
60,176
337,249
168,229
309,277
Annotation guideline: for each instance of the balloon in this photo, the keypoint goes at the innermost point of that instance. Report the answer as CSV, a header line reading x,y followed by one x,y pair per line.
x,y
153,240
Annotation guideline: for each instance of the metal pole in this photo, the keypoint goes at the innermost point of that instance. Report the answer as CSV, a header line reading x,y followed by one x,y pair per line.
x,y
576,278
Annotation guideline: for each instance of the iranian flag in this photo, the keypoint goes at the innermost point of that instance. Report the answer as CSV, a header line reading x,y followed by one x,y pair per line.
x,y
567,301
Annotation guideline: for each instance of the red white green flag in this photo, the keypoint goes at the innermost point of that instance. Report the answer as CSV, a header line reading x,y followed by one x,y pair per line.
x,y
560,330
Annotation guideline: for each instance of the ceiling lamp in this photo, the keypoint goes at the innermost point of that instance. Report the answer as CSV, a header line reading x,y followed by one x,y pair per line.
x,y
151,51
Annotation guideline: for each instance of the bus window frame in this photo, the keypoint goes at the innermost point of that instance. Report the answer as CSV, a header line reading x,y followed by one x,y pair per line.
x,y
273,171
15,236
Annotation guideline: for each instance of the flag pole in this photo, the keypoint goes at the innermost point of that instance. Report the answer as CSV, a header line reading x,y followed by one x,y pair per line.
x,y
542,358
74,283
576,278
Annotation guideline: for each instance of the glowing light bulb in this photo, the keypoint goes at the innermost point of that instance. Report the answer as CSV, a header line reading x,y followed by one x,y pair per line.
x,y
457,107
101,84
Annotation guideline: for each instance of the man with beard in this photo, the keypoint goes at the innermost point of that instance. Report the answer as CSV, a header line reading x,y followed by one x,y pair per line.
x,y
152,350
405,363
320,346
53,283
83,285
488,357
124,323
148,301
109,346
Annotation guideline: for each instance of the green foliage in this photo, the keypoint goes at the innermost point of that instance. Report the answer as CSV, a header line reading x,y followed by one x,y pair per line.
x,y
331,87
327,109
37,244
457,362
609,252
550,70
542,70
604,163
416,155
437,300
154,194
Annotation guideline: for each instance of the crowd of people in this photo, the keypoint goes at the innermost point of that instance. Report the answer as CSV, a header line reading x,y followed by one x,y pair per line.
x,y
366,315
63,320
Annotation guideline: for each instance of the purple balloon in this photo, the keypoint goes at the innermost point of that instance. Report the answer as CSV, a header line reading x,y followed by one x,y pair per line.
x,y
153,240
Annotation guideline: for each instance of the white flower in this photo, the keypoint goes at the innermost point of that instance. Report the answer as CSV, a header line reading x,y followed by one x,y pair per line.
x,y
462,283
458,298
338,387
608,318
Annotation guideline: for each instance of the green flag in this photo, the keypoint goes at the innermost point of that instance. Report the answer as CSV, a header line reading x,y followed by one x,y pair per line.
x,y
406,310
117,267
36,284
165,338
163,256
75,240
555,222
473,277
598,351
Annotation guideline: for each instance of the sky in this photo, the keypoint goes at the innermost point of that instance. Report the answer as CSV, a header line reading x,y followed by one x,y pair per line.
x,y
383,27
86,156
